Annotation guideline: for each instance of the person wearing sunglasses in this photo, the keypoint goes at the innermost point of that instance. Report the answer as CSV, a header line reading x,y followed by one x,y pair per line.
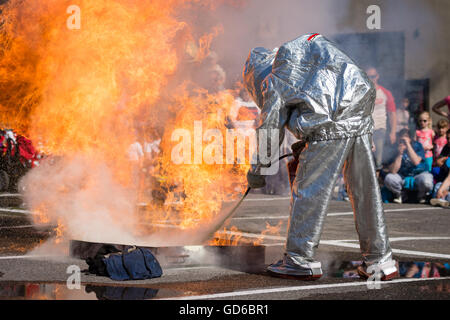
x,y
425,136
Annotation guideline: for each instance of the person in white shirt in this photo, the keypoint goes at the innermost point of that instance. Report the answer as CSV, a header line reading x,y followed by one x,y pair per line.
x,y
384,112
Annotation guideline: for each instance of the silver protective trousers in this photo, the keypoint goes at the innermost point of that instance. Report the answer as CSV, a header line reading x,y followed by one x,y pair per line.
x,y
319,167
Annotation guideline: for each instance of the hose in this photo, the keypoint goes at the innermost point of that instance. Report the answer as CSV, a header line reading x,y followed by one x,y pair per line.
x,y
233,210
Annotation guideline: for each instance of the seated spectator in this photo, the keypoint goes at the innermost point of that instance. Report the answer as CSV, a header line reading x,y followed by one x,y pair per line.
x,y
425,136
441,196
445,153
441,175
408,170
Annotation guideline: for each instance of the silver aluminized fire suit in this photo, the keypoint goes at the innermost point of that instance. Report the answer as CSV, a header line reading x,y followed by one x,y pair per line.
x,y
317,92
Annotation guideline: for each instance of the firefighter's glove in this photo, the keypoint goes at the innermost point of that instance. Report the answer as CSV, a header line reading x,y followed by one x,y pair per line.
x,y
297,148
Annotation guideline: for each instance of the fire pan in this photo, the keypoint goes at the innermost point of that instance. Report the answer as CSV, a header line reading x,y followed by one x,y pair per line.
x,y
245,257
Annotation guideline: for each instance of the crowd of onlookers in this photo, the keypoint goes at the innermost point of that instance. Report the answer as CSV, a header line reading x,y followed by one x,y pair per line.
x,y
410,154
414,166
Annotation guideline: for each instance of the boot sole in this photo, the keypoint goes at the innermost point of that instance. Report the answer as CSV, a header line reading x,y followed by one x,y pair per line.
x,y
292,277
389,277
364,275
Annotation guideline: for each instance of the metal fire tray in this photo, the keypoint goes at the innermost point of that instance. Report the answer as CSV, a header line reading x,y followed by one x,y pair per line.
x,y
245,257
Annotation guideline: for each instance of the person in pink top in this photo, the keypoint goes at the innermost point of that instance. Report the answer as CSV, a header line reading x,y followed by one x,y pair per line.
x,y
384,113
439,105
425,136
440,139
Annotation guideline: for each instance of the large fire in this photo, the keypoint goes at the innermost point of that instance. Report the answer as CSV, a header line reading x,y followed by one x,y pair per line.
x,y
86,94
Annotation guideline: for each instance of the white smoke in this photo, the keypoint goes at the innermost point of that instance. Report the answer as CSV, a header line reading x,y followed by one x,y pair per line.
x,y
82,195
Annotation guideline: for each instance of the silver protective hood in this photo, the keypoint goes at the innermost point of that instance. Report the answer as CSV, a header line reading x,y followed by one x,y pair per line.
x,y
257,67
311,87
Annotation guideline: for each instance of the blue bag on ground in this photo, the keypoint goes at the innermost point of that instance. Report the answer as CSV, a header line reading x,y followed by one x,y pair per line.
x,y
132,264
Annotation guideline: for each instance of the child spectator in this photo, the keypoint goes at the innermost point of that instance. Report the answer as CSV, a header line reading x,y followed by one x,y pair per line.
x,y
442,173
440,140
445,153
425,136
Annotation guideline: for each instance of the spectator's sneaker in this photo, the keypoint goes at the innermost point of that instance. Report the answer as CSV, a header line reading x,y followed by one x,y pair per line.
x,y
439,203
398,200
389,271
287,268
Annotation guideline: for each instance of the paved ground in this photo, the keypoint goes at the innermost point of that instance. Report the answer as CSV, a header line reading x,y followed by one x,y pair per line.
x,y
419,234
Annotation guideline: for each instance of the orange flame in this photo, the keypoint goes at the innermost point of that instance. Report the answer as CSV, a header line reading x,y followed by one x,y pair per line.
x,y
270,230
230,237
83,94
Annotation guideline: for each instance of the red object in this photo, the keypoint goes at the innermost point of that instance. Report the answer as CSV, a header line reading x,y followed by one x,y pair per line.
x,y
27,152
390,102
26,149
32,290
3,145
313,36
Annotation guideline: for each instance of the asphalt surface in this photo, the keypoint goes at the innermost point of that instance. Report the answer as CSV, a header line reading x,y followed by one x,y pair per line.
x,y
419,235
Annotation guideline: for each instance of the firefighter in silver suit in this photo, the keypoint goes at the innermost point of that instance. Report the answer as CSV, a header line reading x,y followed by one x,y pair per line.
x,y
318,93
